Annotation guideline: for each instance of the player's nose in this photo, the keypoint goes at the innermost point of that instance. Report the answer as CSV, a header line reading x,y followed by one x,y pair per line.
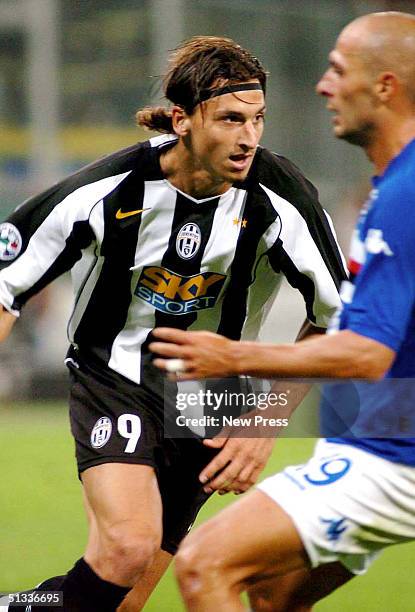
x,y
324,86
250,135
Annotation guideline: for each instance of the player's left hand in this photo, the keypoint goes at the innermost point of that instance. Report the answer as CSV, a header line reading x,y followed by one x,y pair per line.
x,y
201,354
238,465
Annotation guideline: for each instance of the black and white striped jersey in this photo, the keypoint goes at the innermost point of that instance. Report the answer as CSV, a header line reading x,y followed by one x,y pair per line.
x,y
143,254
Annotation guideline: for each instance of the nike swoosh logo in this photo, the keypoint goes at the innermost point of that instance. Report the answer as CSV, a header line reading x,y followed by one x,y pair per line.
x,y
122,215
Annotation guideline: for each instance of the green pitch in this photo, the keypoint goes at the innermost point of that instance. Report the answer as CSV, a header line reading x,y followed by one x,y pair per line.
x,y
43,530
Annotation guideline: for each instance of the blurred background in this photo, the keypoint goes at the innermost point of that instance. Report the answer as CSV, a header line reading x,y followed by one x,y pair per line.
x,y
72,75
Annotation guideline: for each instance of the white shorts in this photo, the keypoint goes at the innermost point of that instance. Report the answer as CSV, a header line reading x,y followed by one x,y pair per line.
x,y
347,504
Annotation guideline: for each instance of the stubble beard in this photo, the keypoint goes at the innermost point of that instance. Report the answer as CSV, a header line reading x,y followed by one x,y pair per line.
x,y
362,136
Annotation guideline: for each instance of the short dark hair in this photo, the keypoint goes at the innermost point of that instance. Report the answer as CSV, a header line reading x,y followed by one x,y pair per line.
x,y
196,66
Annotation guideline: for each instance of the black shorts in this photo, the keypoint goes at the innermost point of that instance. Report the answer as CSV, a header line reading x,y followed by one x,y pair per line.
x,y
114,420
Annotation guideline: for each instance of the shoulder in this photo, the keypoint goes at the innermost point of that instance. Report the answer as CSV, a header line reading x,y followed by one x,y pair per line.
x,y
396,189
390,226
120,162
283,177
285,185
140,158
275,170
296,202
394,204
115,164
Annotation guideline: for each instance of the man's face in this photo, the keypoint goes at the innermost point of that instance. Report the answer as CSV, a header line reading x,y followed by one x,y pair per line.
x,y
225,132
348,86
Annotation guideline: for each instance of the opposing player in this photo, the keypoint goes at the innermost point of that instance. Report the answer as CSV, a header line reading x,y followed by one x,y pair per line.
x,y
193,230
309,529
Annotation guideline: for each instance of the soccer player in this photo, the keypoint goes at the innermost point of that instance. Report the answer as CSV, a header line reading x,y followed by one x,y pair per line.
x,y
309,529
192,229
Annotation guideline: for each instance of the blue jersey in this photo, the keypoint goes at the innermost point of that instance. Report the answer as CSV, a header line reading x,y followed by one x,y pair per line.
x,y
379,303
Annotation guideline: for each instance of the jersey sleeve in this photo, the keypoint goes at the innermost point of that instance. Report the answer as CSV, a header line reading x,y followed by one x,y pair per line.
x,y
384,295
307,253
45,237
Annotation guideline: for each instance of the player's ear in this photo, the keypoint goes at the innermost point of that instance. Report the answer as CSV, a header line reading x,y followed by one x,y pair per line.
x,y
386,86
180,120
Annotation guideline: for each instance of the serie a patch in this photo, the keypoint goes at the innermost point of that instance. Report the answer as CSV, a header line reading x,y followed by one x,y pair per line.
x,y
10,242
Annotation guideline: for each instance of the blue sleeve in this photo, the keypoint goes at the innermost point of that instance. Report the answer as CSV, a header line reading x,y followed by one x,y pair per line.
x,y
384,296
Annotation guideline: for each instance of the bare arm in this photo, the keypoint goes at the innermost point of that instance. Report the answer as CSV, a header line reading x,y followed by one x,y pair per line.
x,y
7,320
342,355
206,355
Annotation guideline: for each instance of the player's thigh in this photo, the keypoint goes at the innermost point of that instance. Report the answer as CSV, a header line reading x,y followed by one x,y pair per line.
x,y
251,537
123,493
298,590
181,490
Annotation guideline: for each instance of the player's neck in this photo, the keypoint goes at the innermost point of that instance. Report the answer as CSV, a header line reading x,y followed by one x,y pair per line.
x,y
389,143
183,171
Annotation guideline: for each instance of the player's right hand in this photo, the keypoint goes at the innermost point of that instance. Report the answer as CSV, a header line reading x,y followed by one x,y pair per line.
x,y
203,354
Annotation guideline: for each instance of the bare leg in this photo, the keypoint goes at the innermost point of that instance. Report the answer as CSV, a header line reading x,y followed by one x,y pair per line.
x,y
253,537
143,588
297,591
125,513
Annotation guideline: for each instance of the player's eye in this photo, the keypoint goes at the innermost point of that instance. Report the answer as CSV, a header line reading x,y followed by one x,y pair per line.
x,y
232,118
335,69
